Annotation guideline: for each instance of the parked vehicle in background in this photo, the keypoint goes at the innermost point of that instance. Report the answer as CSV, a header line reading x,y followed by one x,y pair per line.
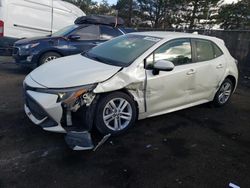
x,y
137,75
30,18
73,39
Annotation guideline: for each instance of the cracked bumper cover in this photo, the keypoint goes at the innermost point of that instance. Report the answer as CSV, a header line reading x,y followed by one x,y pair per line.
x,y
42,110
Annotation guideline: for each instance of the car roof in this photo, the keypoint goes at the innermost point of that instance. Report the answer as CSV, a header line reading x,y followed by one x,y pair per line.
x,y
170,35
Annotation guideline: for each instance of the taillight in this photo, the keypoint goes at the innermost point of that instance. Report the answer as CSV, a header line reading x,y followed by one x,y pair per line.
x,y
1,28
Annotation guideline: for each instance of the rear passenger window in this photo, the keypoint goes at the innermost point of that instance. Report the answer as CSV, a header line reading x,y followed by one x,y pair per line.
x,y
108,32
204,50
88,33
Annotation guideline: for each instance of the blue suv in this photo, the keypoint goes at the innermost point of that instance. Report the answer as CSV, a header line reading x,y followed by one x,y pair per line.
x,y
73,39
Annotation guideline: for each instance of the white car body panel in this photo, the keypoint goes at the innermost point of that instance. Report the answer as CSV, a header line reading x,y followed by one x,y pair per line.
x,y
154,94
72,71
31,18
49,104
30,82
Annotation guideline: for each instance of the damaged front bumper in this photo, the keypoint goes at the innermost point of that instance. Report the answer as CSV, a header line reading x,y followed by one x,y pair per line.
x,y
74,117
44,110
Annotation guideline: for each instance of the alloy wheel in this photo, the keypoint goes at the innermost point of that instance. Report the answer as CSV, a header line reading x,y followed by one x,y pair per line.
x,y
225,92
50,58
117,114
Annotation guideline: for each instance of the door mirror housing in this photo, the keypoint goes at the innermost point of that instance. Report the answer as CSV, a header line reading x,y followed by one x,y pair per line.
x,y
74,37
163,65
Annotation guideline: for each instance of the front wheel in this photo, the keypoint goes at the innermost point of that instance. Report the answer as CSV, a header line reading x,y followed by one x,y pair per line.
x,y
224,93
116,112
47,57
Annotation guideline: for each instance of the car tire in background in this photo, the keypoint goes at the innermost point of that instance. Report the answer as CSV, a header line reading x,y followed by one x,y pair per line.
x,y
224,93
115,113
48,56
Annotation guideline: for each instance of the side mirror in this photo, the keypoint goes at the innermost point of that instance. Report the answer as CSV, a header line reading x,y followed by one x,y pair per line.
x,y
74,37
163,65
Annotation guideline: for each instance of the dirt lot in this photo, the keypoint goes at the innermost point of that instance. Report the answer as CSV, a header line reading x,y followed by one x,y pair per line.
x,y
196,147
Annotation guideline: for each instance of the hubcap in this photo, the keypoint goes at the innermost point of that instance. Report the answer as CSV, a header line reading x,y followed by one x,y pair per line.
x,y
50,58
225,92
117,114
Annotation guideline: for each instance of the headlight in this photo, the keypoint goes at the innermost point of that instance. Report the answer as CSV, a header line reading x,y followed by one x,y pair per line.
x,y
28,46
69,95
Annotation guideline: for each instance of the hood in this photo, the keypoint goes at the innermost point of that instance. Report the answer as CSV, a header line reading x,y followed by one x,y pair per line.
x,y
34,40
72,71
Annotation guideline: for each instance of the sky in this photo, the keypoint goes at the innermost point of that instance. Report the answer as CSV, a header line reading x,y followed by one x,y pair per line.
x,y
109,1
115,1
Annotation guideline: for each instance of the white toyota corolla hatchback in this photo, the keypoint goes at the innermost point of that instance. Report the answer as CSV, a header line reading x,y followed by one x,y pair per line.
x,y
131,77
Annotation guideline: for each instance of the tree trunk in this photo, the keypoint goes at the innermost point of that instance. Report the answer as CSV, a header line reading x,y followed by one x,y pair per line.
x,y
130,12
193,15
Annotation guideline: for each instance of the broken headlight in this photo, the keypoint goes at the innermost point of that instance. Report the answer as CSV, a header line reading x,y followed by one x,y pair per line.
x,y
69,95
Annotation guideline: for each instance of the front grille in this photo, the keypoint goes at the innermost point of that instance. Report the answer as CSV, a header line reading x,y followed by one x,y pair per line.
x,y
15,51
35,108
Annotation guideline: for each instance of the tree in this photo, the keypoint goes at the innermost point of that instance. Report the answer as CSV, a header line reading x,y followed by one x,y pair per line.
x,y
127,9
85,5
198,13
102,8
153,10
235,16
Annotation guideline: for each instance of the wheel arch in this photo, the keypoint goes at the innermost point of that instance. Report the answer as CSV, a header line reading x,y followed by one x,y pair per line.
x,y
126,91
48,51
233,80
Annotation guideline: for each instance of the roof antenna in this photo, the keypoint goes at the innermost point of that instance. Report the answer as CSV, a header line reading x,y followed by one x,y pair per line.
x,y
116,18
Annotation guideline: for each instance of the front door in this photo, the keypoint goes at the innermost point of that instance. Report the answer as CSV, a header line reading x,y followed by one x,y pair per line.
x,y
168,91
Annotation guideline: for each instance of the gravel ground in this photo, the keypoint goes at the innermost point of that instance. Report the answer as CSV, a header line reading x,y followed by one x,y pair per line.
x,y
197,147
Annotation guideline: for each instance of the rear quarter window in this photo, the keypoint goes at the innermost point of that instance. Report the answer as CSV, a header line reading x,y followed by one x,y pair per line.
x,y
88,33
217,51
206,50
108,32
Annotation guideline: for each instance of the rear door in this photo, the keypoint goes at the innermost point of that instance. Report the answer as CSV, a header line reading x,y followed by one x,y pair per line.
x,y
209,67
89,38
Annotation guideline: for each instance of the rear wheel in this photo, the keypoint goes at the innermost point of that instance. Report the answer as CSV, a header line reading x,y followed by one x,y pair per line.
x,y
49,56
116,113
224,93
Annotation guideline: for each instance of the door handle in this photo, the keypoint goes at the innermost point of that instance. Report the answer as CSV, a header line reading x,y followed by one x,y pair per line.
x,y
219,66
191,71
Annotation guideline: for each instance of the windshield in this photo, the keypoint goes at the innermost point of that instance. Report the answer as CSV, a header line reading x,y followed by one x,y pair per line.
x,y
64,31
123,50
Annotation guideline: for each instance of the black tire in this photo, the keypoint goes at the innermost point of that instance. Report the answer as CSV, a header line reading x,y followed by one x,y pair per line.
x,y
104,110
217,100
44,58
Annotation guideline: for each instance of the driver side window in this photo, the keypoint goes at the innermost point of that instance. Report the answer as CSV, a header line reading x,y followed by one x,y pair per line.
x,y
177,51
